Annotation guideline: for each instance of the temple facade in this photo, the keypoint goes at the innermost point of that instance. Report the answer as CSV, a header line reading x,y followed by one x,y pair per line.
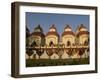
x,y
52,37
53,45
82,35
37,37
68,36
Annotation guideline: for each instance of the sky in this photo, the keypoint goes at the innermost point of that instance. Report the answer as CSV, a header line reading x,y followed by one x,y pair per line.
x,y
46,20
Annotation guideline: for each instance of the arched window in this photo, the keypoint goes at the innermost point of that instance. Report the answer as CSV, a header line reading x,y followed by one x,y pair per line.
x,y
68,43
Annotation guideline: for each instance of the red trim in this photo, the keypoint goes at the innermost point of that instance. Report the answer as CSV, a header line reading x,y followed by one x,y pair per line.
x,y
52,33
68,33
83,32
37,34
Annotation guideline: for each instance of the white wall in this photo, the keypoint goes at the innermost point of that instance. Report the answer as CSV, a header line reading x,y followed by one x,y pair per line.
x,y
5,40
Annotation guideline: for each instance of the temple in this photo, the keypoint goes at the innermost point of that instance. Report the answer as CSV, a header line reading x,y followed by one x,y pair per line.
x,y
53,45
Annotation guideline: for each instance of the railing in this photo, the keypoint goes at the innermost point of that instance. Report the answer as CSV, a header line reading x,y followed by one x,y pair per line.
x,y
56,47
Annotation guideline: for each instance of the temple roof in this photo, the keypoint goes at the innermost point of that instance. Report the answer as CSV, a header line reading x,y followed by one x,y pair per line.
x,y
82,32
68,33
38,29
81,27
67,27
53,32
37,34
53,27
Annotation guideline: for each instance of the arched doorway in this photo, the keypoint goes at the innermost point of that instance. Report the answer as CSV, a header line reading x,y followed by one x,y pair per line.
x,y
51,43
68,43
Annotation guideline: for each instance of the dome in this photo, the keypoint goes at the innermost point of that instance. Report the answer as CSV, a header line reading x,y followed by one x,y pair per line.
x,y
38,29
81,30
68,31
67,27
53,28
38,34
52,31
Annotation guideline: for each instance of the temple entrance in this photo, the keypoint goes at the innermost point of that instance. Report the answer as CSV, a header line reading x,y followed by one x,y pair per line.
x,y
68,43
51,43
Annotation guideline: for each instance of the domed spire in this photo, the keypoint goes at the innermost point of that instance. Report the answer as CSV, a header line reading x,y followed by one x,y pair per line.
x,y
52,31
67,28
81,30
53,28
82,27
38,29
68,31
